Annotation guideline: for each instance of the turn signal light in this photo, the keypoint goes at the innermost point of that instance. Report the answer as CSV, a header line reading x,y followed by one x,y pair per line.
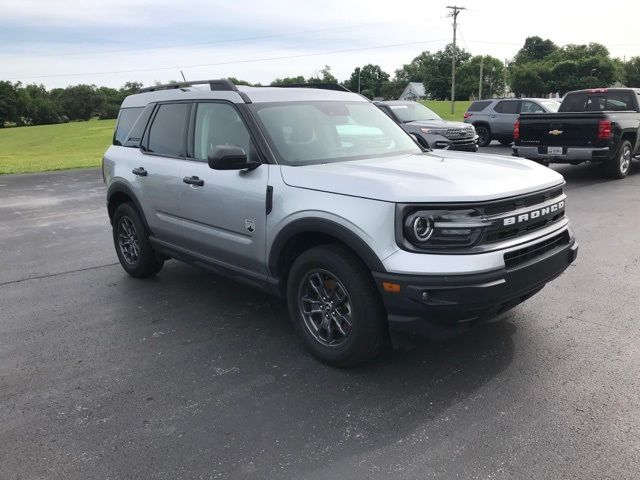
x,y
391,287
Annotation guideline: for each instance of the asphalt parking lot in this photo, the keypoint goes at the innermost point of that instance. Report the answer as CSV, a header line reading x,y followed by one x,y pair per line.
x,y
188,375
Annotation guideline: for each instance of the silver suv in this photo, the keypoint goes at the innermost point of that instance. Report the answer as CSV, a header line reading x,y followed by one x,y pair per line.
x,y
319,197
494,119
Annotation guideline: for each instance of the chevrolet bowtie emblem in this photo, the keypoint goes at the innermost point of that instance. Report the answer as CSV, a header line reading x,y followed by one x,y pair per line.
x,y
555,132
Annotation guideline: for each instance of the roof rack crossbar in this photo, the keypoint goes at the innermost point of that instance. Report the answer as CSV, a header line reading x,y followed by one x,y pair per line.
x,y
223,84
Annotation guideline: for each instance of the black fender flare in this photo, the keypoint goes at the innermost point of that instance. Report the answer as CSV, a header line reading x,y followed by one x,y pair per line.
x,y
327,227
121,187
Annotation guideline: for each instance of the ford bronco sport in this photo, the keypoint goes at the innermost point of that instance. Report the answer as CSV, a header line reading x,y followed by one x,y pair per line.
x,y
320,197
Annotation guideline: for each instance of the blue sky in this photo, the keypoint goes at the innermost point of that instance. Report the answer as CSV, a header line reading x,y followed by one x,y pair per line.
x,y
109,42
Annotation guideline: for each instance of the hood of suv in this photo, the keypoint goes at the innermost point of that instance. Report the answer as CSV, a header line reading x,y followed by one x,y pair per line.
x,y
437,124
442,176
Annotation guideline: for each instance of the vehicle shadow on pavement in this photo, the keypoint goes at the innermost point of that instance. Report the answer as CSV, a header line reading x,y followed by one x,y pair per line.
x,y
262,400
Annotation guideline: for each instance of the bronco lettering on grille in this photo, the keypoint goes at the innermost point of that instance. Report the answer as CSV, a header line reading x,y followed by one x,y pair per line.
x,y
534,214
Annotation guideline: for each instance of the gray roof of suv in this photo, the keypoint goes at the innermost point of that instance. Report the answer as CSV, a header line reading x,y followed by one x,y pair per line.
x,y
255,94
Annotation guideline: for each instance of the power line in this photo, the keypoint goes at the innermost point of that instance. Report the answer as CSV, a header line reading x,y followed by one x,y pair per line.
x,y
264,59
216,42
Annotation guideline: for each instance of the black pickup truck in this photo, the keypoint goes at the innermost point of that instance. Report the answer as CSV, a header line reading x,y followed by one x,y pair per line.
x,y
599,125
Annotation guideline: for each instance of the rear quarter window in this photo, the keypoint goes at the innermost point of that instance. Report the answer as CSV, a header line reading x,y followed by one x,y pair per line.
x,y
479,105
507,106
126,119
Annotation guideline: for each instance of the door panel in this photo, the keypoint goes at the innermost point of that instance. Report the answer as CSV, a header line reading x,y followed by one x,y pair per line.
x,y
506,114
224,218
159,165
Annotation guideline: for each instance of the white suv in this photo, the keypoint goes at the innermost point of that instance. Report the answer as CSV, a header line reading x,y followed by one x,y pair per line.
x,y
320,197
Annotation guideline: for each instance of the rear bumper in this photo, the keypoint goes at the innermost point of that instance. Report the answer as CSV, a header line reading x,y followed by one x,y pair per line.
x,y
443,306
570,154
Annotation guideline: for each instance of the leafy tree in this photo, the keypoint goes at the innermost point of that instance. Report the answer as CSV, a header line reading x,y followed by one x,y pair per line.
x,y
288,81
37,106
79,102
9,102
434,71
393,89
527,79
468,77
632,72
372,77
534,49
237,81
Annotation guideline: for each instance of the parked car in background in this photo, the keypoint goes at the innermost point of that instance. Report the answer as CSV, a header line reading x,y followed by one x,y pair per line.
x,y
428,126
494,119
598,125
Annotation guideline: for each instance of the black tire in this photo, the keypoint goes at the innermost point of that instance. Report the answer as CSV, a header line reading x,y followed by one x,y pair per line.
x,y
128,230
368,332
484,135
505,142
619,165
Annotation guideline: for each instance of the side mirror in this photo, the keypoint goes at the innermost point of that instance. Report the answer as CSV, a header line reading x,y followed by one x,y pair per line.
x,y
230,157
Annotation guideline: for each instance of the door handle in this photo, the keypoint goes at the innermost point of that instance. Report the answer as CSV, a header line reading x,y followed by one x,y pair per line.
x,y
140,171
193,181
494,116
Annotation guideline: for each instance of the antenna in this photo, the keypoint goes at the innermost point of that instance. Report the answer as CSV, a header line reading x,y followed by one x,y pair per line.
x,y
183,77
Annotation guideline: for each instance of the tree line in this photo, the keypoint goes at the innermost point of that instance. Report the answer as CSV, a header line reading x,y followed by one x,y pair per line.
x,y
539,68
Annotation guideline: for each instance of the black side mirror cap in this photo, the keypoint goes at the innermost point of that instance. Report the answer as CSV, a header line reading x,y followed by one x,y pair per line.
x,y
230,157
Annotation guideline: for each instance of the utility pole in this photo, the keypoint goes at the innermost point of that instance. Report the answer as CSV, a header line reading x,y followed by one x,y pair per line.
x,y
359,70
454,13
480,83
504,89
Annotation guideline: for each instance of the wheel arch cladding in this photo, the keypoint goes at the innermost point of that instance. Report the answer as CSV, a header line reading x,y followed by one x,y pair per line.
x,y
120,193
302,234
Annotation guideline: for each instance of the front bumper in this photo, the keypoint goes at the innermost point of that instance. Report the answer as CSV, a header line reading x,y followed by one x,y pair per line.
x,y
438,141
445,305
569,154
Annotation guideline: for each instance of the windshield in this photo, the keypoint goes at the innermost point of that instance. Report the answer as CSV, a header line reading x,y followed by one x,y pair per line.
x,y
303,133
413,112
550,105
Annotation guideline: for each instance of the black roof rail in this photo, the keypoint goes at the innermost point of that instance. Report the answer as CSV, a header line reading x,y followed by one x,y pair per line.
x,y
319,85
223,84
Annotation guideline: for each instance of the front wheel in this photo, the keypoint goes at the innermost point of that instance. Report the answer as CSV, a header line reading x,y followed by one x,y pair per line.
x,y
131,241
484,135
619,166
335,306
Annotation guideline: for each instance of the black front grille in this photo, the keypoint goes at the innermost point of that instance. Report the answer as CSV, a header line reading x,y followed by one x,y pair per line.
x,y
501,231
518,257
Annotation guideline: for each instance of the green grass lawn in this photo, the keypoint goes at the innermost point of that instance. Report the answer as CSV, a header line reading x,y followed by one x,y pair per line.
x,y
82,144
443,109
54,147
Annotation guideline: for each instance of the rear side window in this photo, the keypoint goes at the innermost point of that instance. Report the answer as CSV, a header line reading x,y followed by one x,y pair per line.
x,y
479,105
507,106
597,102
126,119
531,107
135,134
167,133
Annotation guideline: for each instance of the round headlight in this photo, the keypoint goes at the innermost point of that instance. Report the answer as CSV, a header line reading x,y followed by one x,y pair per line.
x,y
422,228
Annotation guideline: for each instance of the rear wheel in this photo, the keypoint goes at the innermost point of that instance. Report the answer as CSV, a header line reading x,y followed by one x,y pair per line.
x,y
619,166
131,240
484,135
335,306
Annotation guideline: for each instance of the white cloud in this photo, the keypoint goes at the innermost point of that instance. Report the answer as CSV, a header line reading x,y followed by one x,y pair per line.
x,y
287,28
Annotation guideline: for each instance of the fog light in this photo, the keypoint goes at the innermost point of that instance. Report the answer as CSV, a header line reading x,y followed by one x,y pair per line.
x,y
425,297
